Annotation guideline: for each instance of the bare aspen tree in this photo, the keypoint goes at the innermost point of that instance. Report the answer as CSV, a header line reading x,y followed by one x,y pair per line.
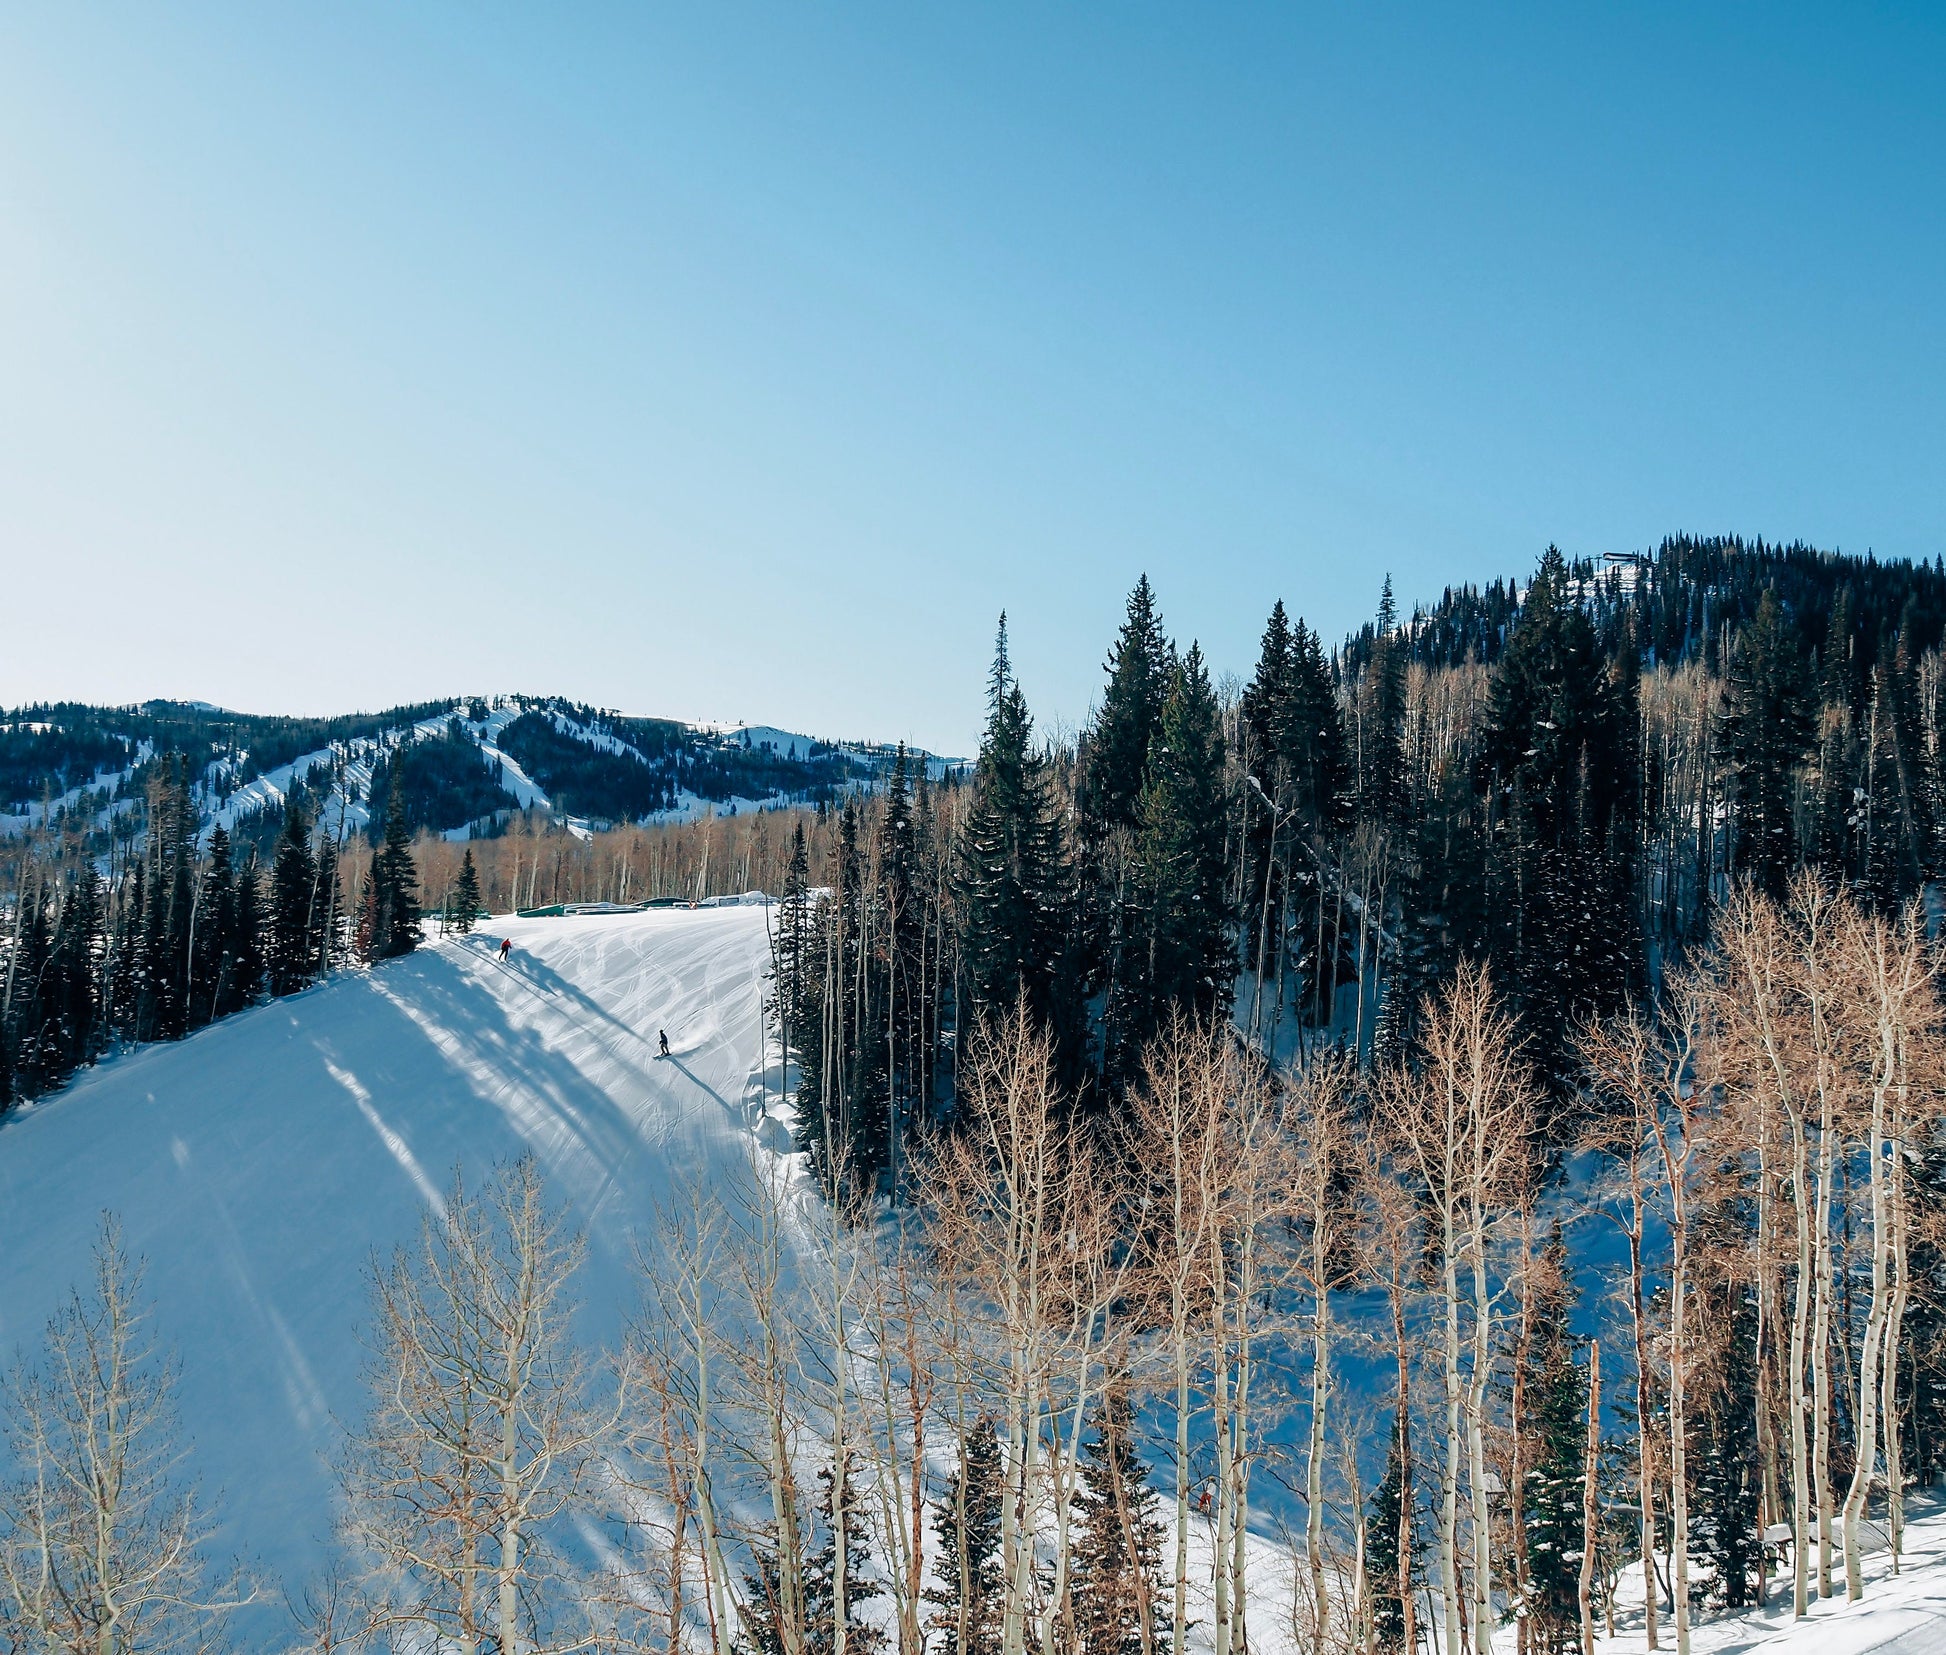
x,y
1393,1259
900,1369
1894,969
768,1357
647,1591
1462,1123
680,1343
1622,1060
1320,1128
1757,1006
101,1540
1590,1502
1025,1218
1176,1119
1248,1266
1675,1126
1816,919
825,1350
481,1431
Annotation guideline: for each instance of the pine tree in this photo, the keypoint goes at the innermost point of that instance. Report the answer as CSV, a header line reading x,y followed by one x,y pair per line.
x,y
1726,1473
1556,768
325,938
215,932
1314,738
398,880
792,996
839,1560
1182,956
1015,907
1555,1424
1263,716
289,956
466,895
163,1010
26,1029
251,936
759,1608
1118,1543
1382,1547
1384,787
372,932
968,1596
82,945
1112,765
1131,712
1766,732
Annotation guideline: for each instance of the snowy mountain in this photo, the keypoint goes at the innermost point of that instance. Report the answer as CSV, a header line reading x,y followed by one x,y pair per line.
x,y
464,766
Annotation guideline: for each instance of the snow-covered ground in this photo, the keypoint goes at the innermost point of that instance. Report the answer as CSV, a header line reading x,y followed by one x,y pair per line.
x,y
258,1165
1903,1614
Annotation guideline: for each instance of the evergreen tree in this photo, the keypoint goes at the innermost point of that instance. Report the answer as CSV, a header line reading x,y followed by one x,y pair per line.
x,y
466,895
1012,878
27,1035
162,1013
372,931
325,939
759,1609
1263,718
1555,1424
1113,761
1726,1473
1131,712
81,947
248,965
1183,955
289,957
398,881
1557,770
1384,787
1766,731
969,1594
1382,1546
215,933
1118,1543
126,977
840,1559
1314,739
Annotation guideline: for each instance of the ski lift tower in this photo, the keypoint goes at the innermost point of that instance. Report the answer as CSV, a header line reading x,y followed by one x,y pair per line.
x,y
1636,563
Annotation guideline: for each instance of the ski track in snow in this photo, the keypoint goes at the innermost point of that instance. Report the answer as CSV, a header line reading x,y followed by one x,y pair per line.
x,y
261,1165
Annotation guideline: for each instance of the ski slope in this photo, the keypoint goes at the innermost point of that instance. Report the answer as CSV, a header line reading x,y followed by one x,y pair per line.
x,y
258,1165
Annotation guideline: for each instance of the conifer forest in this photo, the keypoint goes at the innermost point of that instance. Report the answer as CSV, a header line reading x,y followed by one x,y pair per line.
x,y
1433,1141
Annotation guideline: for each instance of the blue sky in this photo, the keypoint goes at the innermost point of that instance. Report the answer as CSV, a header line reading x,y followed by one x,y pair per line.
x,y
744,362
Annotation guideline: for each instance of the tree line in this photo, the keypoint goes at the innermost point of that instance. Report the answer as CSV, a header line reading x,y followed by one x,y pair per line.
x,y
186,933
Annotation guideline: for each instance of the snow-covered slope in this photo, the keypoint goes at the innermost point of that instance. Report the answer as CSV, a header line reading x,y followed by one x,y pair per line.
x,y
1902,1614
258,1165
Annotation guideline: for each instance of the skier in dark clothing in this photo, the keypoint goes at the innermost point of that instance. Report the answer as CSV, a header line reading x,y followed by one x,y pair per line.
x,y
506,946
662,1036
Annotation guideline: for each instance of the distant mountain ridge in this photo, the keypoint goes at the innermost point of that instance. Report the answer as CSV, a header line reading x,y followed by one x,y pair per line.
x,y
466,766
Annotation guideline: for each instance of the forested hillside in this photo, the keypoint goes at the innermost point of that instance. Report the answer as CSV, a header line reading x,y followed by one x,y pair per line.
x,y
1530,1004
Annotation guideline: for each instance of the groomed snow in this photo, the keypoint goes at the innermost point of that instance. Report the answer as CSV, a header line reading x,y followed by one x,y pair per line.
x,y
258,1165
